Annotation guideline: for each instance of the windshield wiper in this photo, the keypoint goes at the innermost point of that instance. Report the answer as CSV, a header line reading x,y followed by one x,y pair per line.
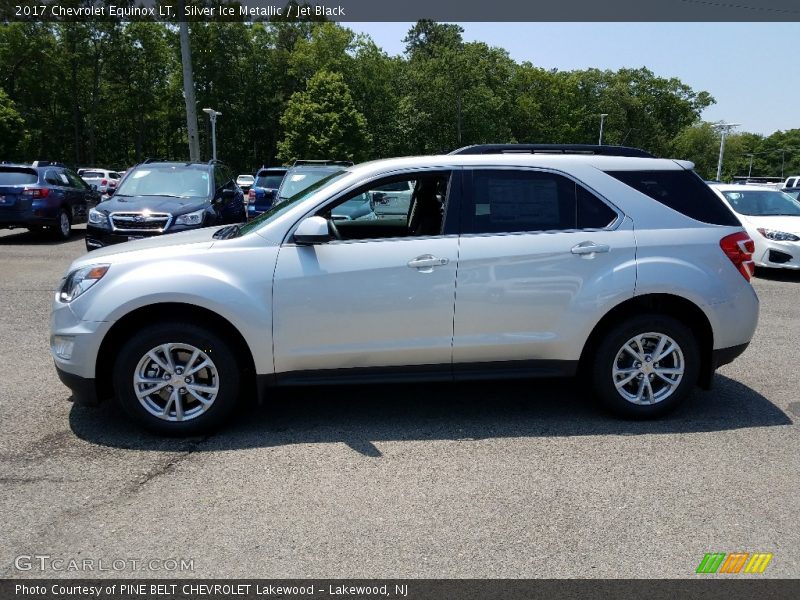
x,y
162,195
226,233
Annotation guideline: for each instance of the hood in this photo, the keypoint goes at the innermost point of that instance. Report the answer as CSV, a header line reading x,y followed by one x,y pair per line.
x,y
778,223
163,204
193,236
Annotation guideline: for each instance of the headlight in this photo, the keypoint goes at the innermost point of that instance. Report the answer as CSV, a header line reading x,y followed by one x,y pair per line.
x,y
778,236
98,218
192,218
79,281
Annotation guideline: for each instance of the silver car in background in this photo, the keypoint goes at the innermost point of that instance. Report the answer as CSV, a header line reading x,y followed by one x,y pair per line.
x,y
599,261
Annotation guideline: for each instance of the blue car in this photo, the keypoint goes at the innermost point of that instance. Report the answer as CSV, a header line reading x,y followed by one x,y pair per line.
x,y
158,197
44,195
262,193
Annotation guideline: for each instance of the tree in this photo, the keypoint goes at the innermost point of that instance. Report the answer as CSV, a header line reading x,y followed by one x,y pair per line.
x,y
12,127
322,122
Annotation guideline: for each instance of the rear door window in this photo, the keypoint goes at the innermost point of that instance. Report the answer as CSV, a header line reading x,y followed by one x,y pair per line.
x,y
518,200
682,191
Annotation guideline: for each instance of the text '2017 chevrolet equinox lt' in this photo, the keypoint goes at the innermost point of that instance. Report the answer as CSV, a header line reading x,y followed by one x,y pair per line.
x,y
598,260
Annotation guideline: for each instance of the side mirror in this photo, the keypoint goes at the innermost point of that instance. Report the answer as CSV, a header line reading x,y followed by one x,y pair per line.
x,y
312,230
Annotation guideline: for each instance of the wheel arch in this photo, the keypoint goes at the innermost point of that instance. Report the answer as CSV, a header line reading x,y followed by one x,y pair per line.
x,y
674,306
170,312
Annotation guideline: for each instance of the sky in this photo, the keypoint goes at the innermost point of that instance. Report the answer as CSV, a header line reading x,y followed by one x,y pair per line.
x,y
751,69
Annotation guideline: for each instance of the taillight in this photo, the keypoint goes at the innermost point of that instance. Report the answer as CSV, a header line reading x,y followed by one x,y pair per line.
x,y
36,192
251,196
104,182
739,248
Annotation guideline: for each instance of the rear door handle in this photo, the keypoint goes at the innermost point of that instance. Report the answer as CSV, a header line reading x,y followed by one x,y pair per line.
x,y
427,261
590,248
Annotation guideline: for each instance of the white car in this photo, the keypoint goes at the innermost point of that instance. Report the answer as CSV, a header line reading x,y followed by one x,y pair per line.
x,y
105,180
245,182
603,262
771,217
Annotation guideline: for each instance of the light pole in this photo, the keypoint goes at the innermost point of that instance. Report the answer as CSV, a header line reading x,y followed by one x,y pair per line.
x,y
724,129
213,114
602,118
750,169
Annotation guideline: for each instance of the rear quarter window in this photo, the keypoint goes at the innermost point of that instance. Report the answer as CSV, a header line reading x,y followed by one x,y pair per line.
x,y
682,191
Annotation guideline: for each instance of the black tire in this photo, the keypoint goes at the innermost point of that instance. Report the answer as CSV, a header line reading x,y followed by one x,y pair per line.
x,y
609,353
227,377
62,230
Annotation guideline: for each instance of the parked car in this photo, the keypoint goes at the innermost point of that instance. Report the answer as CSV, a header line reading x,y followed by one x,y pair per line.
x,y
771,218
624,269
305,173
791,182
392,200
262,194
245,182
46,196
793,192
104,179
166,197
357,208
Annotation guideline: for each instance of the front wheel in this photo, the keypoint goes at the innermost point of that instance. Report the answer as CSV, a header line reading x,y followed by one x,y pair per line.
x,y
646,366
178,379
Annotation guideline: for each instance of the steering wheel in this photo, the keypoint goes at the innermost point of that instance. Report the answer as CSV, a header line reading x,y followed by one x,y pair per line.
x,y
334,231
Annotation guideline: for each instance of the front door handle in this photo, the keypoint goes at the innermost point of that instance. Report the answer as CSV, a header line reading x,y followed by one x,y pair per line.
x,y
590,248
427,261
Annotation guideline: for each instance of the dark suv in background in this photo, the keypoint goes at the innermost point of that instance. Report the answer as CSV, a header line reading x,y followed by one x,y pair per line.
x,y
159,197
44,195
265,188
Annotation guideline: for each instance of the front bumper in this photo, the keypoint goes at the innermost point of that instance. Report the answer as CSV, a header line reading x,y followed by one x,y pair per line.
x,y
84,390
777,255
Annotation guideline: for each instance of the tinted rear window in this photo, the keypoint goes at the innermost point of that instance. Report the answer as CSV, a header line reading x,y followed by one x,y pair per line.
x,y
682,191
18,176
271,181
91,174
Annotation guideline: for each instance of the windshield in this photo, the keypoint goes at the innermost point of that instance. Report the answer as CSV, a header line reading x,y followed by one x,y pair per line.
x,y
296,181
763,203
280,207
271,181
178,181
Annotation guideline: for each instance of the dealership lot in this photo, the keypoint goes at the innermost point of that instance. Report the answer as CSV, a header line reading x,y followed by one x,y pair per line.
x,y
496,479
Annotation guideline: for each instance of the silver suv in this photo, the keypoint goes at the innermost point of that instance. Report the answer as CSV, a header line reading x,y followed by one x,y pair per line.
x,y
534,263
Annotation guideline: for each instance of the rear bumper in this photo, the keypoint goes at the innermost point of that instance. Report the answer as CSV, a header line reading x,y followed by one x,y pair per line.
x,y
24,218
84,391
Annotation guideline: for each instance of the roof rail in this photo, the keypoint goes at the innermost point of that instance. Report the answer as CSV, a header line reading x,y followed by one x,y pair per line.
x,y
147,161
47,163
214,161
552,149
343,163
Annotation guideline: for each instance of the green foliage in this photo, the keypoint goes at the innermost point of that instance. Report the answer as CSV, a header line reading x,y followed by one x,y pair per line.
x,y
12,126
323,122
111,94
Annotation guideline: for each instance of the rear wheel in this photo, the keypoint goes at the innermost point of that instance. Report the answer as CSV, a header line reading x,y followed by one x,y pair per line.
x,y
178,379
646,366
63,227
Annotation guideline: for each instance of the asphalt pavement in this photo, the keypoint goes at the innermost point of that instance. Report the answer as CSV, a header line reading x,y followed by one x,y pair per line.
x,y
496,479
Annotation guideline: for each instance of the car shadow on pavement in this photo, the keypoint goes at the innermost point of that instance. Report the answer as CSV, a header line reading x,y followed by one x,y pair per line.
x,y
777,274
38,238
360,415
